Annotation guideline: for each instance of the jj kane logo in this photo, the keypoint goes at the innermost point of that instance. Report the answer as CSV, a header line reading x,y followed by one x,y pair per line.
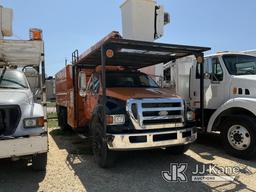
x,y
201,172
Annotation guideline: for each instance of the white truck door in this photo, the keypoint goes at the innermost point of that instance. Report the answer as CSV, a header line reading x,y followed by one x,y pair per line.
x,y
214,87
195,84
216,92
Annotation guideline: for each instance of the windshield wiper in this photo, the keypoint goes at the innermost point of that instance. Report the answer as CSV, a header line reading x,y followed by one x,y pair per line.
x,y
3,87
2,74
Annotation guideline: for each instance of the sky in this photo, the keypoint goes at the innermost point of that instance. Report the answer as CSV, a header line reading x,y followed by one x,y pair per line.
x,y
223,25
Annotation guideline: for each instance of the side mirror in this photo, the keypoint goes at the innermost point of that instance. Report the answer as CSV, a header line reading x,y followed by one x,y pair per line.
x,y
82,83
207,76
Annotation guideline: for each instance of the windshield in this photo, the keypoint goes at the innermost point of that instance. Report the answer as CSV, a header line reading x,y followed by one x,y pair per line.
x,y
240,64
129,79
12,80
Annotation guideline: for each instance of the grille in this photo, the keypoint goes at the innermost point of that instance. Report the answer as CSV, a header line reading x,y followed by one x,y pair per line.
x,y
9,119
156,113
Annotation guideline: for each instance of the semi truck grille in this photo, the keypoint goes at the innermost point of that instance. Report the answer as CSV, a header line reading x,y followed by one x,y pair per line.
x,y
9,119
156,113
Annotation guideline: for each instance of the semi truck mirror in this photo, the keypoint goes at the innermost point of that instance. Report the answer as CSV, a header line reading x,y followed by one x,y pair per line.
x,y
82,85
37,95
207,76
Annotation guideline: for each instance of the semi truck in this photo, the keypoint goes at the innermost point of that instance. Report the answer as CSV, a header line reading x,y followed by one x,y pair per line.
x,y
23,129
229,97
103,95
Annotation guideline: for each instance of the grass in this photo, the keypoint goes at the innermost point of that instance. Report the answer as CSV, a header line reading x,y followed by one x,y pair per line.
x,y
52,120
52,123
52,115
51,104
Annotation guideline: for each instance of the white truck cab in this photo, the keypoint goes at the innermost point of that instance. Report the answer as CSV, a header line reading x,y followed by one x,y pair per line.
x,y
230,99
23,128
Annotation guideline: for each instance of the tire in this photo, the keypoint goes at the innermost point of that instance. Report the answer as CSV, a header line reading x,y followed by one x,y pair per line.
x,y
104,157
239,136
39,162
177,150
62,118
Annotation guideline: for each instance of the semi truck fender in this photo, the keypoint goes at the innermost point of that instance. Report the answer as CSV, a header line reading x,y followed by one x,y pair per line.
x,y
247,105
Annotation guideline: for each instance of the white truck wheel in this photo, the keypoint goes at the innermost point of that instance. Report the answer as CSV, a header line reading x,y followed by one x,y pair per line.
x,y
239,136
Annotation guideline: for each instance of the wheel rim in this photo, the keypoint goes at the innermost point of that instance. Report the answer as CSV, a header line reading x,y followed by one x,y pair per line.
x,y
239,137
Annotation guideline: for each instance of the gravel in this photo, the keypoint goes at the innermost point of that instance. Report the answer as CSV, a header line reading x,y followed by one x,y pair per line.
x,y
71,168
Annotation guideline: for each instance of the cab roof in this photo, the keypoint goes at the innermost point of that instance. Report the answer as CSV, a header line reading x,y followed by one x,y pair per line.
x,y
229,53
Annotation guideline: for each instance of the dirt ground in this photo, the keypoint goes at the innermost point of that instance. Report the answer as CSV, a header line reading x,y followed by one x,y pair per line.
x,y
71,168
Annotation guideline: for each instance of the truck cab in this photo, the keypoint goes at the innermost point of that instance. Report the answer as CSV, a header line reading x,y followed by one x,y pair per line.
x,y
23,128
140,114
230,96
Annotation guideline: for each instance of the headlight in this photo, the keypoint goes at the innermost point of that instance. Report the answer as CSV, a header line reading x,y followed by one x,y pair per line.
x,y
116,119
34,122
190,115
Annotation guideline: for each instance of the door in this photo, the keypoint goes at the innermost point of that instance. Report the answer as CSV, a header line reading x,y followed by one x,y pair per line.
x,y
216,93
92,95
195,83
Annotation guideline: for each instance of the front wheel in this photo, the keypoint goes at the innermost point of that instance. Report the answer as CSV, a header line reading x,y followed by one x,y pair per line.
x,y
239,136
39,162
103,156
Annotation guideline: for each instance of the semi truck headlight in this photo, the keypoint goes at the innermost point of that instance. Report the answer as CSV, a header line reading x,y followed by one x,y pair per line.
x,y
116,119
34,122
190,115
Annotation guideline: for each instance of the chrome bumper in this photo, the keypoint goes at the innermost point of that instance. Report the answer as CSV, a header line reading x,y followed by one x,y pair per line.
x,y
18,147
151,139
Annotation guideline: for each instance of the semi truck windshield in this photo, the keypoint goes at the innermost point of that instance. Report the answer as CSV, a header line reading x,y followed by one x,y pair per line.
x,y
240,64
12,80
129,79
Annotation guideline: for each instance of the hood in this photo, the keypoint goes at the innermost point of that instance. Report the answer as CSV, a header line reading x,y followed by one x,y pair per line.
x,y
245,82
136,93
245,77
15,97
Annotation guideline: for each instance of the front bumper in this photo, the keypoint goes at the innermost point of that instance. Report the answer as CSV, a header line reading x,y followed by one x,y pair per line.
x,y
18,147
151,139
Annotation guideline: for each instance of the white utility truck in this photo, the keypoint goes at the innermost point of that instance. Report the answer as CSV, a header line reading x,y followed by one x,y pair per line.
x,y
229,106
23,129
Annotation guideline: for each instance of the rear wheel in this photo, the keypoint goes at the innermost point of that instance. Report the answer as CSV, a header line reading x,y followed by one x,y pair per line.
x,y
62,118
103,156
39,162
178,150
239,136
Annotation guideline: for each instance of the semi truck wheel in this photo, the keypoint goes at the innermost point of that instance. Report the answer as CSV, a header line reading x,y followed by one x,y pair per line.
x,y
177,150
62,118
39,162
103,156
239,136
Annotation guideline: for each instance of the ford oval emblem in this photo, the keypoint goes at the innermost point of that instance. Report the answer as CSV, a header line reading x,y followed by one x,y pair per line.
x,y
163,113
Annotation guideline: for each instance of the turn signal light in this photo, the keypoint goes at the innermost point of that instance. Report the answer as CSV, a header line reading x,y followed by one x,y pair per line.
x,y
115,119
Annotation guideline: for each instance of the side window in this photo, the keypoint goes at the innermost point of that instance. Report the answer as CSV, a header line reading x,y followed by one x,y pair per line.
x,y
198,71
89,88
217,71
206,68
94,84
